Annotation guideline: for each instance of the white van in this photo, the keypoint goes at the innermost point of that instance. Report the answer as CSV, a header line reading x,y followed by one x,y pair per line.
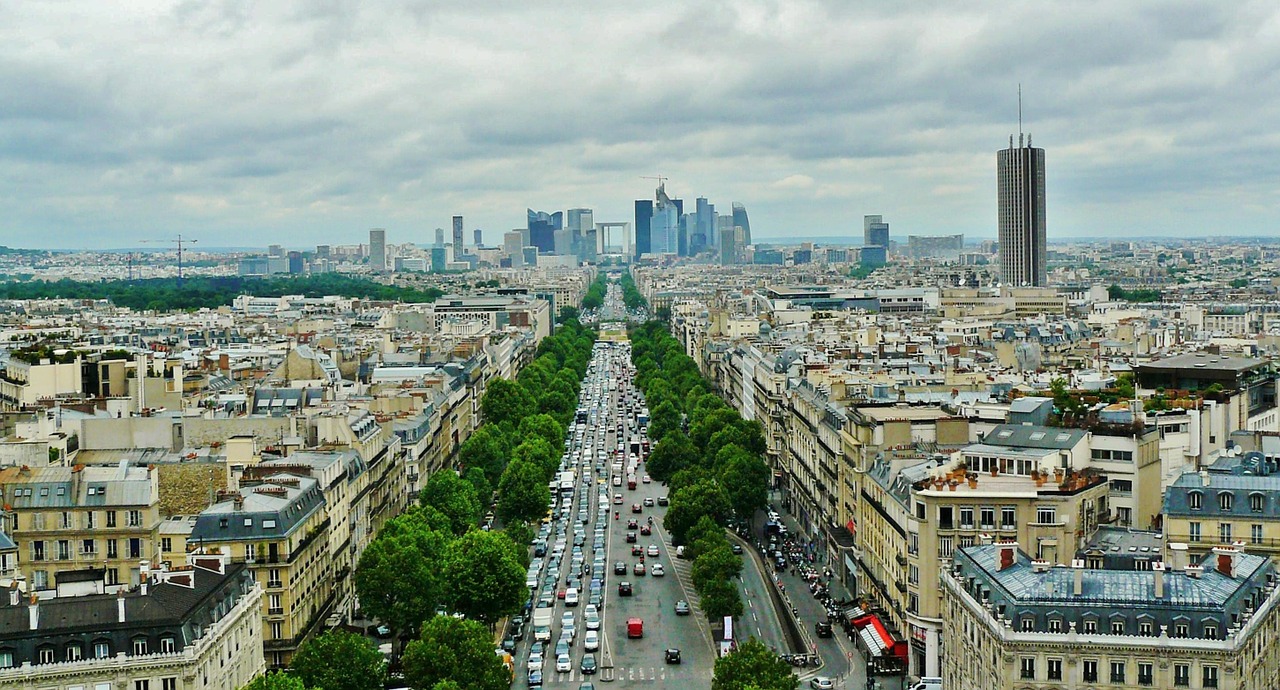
x,y
928,683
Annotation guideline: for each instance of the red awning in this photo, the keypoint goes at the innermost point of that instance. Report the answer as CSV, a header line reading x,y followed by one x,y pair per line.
x,y
874,635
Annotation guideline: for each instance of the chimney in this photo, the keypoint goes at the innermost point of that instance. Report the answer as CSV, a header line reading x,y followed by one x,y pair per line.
x,y
14,594
1204,477
1178,556
1224,559
985,539
1077,582
1008,554
1194,571
33,612
1039,565
120,605
1158,569
144,575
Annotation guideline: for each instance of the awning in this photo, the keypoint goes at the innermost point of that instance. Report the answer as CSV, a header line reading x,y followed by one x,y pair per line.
x,y
874,635
872,640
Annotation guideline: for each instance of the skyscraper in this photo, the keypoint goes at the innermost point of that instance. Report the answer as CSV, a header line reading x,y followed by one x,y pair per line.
x,y
664,233
458,247
479,238
644,223
542,229
740,221
1020,197
875,232
378,250
439,237
703,226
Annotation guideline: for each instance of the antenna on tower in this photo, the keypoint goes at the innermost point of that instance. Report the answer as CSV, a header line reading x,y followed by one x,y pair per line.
x,y
1019,110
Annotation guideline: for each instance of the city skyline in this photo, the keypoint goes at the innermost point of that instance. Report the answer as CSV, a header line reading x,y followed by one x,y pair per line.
x,y
1148,109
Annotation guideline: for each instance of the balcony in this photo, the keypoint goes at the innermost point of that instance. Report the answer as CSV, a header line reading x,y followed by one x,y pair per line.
x,y
901,586
900,558
278,611
274,584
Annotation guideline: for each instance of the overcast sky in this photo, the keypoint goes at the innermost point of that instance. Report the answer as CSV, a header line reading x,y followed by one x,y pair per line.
x,y
248,123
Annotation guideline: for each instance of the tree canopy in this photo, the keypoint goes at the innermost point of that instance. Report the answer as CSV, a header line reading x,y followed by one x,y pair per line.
x,y
339,660
398,575
456,498
753,665
452,649
276,680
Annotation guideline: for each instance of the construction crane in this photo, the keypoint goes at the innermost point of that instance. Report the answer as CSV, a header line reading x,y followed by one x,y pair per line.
x,y
177,241
661,179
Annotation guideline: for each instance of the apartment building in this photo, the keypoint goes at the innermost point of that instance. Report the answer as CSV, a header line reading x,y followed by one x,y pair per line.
x,y
1011,622
1237,498
78,519
32,375
279,529
194,627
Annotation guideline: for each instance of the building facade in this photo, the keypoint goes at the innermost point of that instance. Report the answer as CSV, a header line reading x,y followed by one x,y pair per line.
x,y
378,250
1021,222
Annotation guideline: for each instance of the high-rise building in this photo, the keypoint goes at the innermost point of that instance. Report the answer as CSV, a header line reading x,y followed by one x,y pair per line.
x,y
322,251
542,229
378,250
1020,197
730,238
513,247
740,221
275,250
580,222
875,232
644,223
703,234
664,233
687,220
944,247
439,237
459,248
479,238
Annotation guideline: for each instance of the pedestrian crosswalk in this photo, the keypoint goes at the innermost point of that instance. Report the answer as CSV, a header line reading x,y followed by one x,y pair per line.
x,y
627,673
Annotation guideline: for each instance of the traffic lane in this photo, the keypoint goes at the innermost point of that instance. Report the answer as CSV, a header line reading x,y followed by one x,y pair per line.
x,y
760,617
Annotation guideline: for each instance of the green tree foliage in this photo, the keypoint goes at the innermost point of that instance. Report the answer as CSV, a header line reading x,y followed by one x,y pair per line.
x,y
567,313
488,449
536,451
692,503
455,650
720,598
714,421
450,494
663,419
594,299
542,426
398,576
483,578
716,564
278,680
339,660
478,481
631,296
673,453
506,401
753,665
558,405
200,292
522,492
521,535
745,478
1118,293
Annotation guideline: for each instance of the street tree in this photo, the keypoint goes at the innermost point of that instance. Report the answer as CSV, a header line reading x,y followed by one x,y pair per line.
x,y
720,599
398,575
478,481
484,579
746,479
715,564
670,455
506,401
278,680
522,492
339,660
488,449
536,451
753,665
457,650
691,503
543,426
450,494
664,419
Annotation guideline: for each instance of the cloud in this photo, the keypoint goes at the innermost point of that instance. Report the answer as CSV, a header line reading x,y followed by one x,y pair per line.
x,y
308,122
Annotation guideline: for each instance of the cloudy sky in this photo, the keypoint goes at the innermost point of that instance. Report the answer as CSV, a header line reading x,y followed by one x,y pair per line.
x,y
247,123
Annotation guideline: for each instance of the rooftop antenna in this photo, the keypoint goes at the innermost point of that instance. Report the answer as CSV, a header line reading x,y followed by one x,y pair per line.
x,y
1019,115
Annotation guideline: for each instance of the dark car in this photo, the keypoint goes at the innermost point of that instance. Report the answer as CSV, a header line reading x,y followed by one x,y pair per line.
x,y
635,508
663,500
588,664
631,524
737,549
624,589
637,550
619,568
631,537
646,530
673,656
509,644
822,629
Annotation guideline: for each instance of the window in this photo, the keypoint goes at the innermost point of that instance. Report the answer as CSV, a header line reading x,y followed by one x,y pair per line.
x,y
167,645
1055,625
1028,623
273,578
987,518
1028,668
1193,531
1255,533
111,518
1209,676
64,549
45,654
6,659
90,520
1181,630
1144,673
74,652
944,547
1121,486
1090,670
913,574
88,547
945,519
1211,632
1117,671
1145,628
139,646
966,518
135,548
101,649
1182,675
274,606
166,544
1225,500
1046,515
113,576
142,684
135,518
1008,517
1224,532
913,603
1055,669
277,630
913,543
37,550
1195,500
169,683
1117,627
1256,502
1090,626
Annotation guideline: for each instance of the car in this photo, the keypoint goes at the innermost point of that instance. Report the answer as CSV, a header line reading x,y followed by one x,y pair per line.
x,y
645,479
631,537
560,593
821,683
648,502
663,500
682,608
646,531
619,568
591,642
588,665
509,644
631,523
571,596
637,569
672,656
535,661
535,677
617,498
562,647
564,664
822,629
652,550
635,508
658,570
596,599
382,632
624,589
637,550
737,549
